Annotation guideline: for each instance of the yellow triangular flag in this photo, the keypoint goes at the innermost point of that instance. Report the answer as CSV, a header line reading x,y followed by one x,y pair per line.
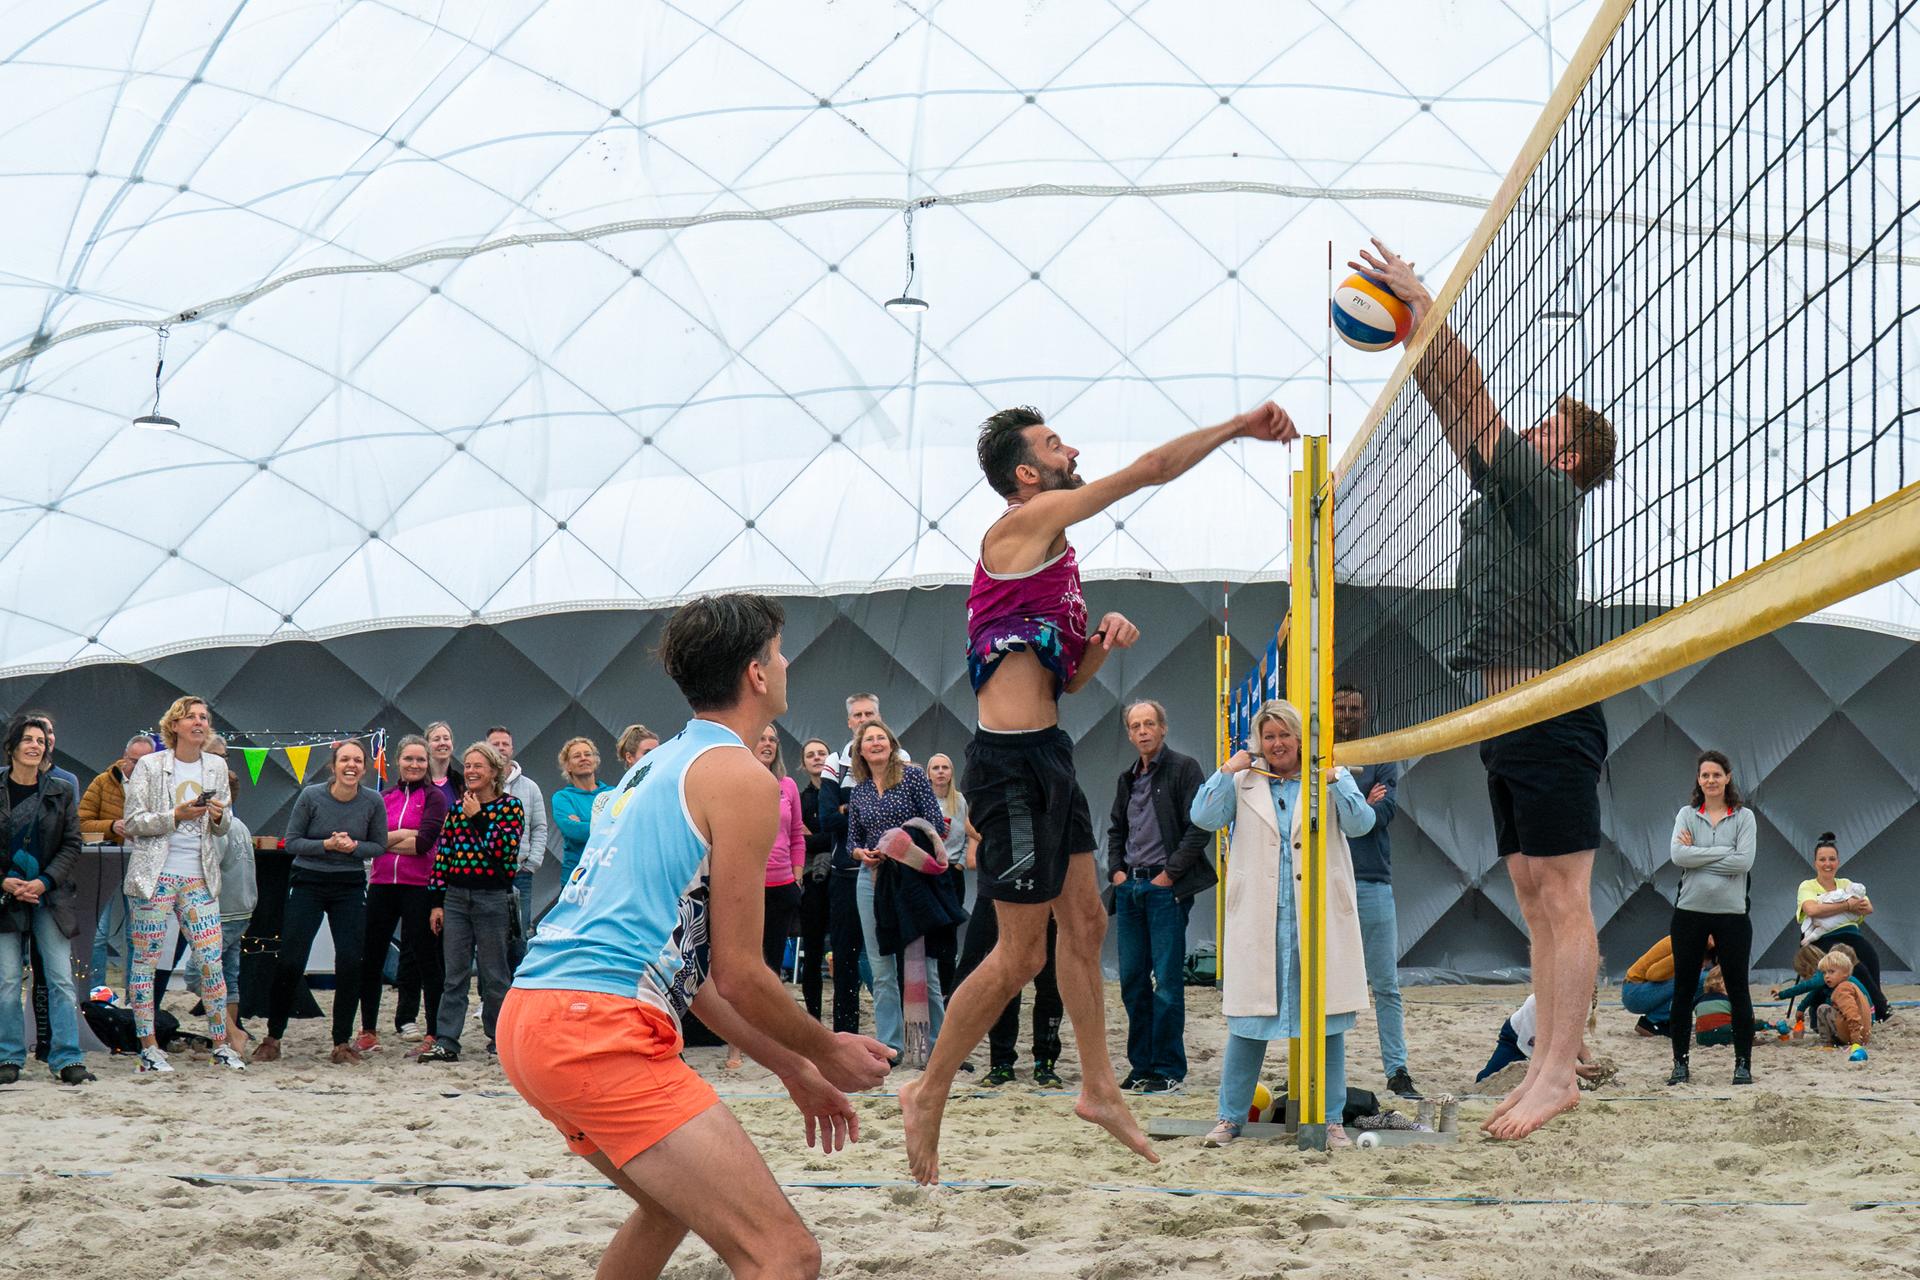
x,y
297,757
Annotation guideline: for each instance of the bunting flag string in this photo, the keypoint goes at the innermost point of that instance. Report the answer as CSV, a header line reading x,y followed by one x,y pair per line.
x,y
299,746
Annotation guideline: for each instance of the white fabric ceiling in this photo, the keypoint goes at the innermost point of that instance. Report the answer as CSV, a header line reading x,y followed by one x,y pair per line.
x,y
639,414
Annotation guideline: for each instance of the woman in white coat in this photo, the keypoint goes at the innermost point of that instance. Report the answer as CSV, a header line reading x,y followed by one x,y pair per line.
x,y
1260,796
176,820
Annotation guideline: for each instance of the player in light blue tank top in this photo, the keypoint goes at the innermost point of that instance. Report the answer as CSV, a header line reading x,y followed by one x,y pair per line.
x,y
632,919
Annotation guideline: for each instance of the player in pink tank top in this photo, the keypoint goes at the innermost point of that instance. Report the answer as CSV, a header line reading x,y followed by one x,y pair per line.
x,y
1027,645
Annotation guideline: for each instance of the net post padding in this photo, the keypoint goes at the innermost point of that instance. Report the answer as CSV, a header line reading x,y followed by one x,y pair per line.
x,y
1310,689
1865,550
1572,82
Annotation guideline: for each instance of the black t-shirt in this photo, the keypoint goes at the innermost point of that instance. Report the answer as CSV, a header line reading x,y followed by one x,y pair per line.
x,y
17,792
1519,564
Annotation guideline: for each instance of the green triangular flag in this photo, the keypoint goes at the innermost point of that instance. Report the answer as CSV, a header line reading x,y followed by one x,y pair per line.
x,y
256,756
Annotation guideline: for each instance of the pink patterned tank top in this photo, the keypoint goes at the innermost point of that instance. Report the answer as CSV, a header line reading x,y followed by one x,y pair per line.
x,y
1041,612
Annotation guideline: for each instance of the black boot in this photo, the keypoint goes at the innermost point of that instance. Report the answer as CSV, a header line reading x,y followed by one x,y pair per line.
x,y
1680,1074
1742,1068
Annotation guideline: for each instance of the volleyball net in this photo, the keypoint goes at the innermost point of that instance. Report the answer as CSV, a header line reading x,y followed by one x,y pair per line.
x,y
1661,406
1709,251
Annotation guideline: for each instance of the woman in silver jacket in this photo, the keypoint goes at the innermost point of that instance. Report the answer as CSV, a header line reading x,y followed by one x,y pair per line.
x,y
176,819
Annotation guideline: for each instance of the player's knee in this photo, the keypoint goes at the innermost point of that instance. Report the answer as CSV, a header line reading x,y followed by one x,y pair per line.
x,y
1025,956
797,1257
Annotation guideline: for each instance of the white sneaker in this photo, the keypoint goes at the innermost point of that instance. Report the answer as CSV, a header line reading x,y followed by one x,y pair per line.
x,y
412,1031
154,1058
226,1057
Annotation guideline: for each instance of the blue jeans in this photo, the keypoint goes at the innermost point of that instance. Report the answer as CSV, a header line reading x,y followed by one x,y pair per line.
x,y
1151,925
1240,1072
1380,939
523,886
231,931
63,1014
1651,1000
112,934
889,1016
1505,1053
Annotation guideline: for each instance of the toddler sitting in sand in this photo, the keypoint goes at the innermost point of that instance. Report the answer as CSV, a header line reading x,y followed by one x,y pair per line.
x,y
1847,1017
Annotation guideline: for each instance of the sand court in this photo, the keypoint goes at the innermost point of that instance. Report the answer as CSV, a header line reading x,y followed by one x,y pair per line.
x,y
302,1169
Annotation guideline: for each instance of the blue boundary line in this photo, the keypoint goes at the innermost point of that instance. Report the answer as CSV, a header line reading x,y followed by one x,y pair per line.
x,y
985,1184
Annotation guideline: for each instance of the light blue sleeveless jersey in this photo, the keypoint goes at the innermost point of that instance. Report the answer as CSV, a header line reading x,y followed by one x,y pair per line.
x,y
632,918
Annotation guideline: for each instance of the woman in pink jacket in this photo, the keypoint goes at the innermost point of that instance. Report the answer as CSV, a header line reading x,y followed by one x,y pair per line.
x,y
397,892
785,861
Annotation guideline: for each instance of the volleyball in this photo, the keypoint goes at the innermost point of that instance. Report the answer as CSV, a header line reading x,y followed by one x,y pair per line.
x,y
101,995
1262,1106
1368,315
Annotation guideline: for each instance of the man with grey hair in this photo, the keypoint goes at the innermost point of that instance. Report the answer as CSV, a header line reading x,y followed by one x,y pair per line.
x,y
1156,864
850,885
852,957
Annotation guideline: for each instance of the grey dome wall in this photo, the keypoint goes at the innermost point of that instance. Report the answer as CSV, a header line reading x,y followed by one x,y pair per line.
x,y
1817,719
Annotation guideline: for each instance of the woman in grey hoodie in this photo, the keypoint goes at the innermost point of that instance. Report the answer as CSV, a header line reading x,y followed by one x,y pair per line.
x,y
1713,845
337,828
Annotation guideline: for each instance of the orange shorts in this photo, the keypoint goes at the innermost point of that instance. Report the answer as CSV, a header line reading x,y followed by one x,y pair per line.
x,y
605,1070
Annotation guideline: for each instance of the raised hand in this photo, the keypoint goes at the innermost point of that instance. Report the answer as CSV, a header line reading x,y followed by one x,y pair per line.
x,y
1267,422
1240,761
1395,272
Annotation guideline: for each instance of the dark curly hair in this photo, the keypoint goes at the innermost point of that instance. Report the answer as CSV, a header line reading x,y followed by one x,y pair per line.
x,y
1003,446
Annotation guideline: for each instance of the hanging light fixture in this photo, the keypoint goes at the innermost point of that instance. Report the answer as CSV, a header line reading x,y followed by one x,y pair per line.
x,y
906,303
157,421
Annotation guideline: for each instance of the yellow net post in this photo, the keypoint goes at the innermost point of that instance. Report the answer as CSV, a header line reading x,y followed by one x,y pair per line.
x,y
1221,749
1310,688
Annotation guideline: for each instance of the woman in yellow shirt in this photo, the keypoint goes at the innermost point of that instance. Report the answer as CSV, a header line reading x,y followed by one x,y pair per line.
x,y
1831,911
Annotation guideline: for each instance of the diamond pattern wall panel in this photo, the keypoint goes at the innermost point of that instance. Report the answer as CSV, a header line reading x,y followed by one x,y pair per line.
x,y
1816,719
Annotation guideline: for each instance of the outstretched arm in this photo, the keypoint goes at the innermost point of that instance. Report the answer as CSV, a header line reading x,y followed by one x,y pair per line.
x,y
1037,524
1448,373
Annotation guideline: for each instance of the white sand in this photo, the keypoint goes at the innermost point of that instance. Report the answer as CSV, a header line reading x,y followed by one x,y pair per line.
x,y
1796,1136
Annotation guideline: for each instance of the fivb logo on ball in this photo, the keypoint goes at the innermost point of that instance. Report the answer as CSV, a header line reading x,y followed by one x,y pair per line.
x,y
1368,315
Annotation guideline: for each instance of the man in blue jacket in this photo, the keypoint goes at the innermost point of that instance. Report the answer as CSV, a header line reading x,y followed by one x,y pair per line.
x,y
1373,887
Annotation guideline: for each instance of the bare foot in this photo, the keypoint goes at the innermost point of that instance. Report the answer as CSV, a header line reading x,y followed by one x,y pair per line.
x,y
1543,1102
1512,1100
344,1053
268,1050
1112,1115
733,1062
920,1114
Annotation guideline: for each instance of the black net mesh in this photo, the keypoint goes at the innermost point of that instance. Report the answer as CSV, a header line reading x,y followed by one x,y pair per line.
x,y
1715,253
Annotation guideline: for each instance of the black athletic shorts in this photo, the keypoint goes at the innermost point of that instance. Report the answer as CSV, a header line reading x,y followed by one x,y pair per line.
x,y
1544,781
1023,799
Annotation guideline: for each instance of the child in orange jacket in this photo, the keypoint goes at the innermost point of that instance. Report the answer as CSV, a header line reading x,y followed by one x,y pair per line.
x,y
1847,1017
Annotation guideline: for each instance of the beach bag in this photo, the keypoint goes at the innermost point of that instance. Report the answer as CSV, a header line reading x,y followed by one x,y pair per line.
x,y
113,1027
1359,1103
1201,969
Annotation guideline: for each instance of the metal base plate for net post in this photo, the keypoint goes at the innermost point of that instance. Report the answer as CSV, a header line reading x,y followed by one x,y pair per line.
x,y
1312,1137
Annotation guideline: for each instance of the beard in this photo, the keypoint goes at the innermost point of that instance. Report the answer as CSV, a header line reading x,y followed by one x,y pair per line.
x,y
1062,478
